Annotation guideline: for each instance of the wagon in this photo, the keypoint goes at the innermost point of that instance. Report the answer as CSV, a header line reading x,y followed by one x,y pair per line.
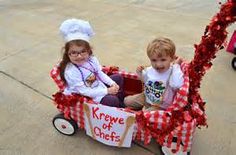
x,y
102,122
173,128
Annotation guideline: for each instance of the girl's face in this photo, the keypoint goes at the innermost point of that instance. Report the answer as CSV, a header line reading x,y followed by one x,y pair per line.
x,y
160,63
78,54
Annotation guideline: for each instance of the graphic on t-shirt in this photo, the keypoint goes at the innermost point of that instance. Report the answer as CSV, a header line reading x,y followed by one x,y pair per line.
x,y
91,80
154,91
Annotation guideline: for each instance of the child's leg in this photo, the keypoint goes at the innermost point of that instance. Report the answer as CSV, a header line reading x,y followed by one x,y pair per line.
x,y
111,100
135,102
120,82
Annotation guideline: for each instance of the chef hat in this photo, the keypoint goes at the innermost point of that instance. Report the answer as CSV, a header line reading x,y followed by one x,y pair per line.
x,y
74,29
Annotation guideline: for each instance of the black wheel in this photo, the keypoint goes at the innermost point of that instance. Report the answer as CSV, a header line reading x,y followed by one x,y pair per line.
x,y
234,63
65,126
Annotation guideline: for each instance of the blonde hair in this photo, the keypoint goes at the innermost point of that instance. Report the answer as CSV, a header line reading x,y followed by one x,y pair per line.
x,y
162,47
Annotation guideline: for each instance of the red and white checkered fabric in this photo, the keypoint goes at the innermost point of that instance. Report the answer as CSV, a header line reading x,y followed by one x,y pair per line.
x,y
160,119
107,70
183,133
76,113
181,97
55,74
127,74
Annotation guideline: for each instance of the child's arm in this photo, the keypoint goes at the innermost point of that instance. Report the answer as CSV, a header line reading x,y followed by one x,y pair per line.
x,y
76,84
139,72
92,92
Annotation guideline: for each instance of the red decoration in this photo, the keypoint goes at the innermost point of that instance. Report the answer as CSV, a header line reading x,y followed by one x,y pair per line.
x,y
212,41
66,101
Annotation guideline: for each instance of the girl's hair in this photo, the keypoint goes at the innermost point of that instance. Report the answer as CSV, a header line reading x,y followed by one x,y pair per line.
x,y
65,57
161,47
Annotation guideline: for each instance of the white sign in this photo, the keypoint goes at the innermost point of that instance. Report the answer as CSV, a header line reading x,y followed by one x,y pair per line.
x,y
109,125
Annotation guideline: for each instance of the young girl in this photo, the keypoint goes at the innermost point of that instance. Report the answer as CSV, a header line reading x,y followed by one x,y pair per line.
x,y
161,80
81,71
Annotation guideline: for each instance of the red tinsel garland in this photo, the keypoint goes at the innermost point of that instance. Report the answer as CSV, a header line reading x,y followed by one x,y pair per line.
x,y
66,101
212,41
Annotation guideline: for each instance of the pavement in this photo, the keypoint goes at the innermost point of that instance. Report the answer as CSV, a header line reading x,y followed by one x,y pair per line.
x,y
30,46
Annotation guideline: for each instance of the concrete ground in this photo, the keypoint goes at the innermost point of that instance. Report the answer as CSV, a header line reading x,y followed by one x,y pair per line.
x,y
30,45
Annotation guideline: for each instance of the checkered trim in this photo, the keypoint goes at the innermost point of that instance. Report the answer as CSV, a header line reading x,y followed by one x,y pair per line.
x,y
55,74
181,97
184,134
75,112
129,75
160,119
111,70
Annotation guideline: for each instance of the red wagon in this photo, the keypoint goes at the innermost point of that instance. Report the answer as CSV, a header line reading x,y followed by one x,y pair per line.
x,y
174,128
155,124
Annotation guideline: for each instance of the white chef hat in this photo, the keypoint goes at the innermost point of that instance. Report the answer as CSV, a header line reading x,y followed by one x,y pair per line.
x,y
74,29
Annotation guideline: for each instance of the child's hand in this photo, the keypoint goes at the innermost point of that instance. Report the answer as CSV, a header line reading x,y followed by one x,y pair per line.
x,y
116,86
178,60
113,89
139,70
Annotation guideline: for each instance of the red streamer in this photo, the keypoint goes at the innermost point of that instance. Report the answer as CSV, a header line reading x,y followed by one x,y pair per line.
x,y
212,41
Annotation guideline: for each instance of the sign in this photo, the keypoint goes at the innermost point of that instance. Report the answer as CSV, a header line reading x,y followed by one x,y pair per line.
x,y
109,125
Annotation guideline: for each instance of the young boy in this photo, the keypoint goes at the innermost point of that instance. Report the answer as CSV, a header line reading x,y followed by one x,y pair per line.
x,y
161,80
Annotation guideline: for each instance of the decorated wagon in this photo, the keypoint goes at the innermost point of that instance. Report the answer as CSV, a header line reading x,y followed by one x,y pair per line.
x,y
173,128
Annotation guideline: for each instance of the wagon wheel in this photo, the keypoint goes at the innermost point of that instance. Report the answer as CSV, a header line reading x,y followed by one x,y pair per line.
x,y
167,151
65,126
233,63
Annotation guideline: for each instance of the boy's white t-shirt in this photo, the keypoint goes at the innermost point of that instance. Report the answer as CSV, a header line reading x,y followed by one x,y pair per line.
x,y
87,79
155,84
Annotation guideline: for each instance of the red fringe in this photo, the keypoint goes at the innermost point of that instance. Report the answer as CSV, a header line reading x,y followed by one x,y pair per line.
x,y
66,101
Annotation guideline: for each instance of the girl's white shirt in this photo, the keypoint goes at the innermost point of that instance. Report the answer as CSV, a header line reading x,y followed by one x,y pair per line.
x,y
155,82
76,82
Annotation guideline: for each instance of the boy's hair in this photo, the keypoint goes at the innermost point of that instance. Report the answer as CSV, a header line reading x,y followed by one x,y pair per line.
x,y
162,47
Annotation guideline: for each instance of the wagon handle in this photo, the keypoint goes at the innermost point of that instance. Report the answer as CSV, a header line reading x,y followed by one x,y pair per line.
x,y
129,122
87,111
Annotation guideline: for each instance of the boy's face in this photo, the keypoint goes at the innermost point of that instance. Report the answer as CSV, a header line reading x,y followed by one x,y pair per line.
x,y
160,63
